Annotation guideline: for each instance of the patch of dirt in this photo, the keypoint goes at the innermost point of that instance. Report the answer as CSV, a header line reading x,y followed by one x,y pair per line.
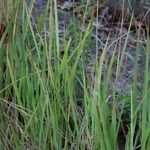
x,y
129,48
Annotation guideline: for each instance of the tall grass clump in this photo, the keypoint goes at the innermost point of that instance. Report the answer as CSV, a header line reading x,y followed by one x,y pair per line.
x,y
45,101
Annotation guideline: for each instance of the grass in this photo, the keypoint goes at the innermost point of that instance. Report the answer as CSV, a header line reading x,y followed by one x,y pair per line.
x,y
39,90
